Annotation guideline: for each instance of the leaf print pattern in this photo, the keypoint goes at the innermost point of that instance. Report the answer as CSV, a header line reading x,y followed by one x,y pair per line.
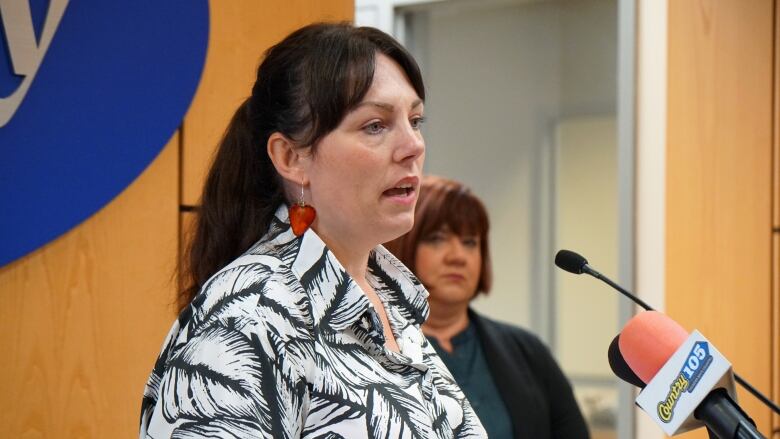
x,y
283,343
221,428
395,415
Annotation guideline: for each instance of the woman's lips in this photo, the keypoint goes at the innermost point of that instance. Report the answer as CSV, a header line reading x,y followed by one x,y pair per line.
x,y
404,196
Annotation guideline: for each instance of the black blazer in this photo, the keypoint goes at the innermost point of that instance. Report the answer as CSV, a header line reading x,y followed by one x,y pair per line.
x,y
536,393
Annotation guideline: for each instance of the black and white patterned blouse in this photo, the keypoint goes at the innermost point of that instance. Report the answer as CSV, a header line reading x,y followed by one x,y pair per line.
x,y
283,343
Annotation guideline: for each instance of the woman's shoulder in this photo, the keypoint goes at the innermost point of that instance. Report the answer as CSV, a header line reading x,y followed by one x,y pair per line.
x,y
498,326
244,323
497,330
254,287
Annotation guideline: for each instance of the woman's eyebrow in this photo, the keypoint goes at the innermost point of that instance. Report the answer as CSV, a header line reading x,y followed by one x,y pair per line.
x,y
381,105
388,107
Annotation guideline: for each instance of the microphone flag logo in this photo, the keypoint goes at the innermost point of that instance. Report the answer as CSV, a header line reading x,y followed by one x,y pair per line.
x,y
685,379
696,363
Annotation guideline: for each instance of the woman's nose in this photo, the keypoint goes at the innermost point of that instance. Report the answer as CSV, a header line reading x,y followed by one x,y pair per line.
x,y
455,251
410,145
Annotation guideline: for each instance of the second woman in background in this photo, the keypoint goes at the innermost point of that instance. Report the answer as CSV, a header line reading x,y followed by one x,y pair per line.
x,y
507,373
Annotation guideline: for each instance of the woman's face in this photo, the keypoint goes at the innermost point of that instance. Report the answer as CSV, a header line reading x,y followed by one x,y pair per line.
x,y
449,266
365,175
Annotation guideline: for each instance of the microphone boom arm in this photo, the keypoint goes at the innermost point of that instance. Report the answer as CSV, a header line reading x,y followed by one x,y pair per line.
x,y
571,257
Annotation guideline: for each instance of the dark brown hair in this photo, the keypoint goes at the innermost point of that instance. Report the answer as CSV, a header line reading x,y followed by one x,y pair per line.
x,y
445,203
305,86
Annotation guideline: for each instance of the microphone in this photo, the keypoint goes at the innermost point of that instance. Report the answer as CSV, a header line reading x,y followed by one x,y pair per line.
x,y
571,261
648,340
619,366
689,383
575,263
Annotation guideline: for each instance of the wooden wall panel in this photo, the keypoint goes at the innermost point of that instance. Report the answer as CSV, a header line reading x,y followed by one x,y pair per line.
x,y
186,231
83,318
241,30
719,155
776,228
776,126
775,331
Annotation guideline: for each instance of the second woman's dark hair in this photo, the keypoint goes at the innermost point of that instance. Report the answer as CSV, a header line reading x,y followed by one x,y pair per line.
x,y
305,86
446,204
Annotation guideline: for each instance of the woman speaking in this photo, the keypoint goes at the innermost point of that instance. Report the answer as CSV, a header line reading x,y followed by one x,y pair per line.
x,y
297,322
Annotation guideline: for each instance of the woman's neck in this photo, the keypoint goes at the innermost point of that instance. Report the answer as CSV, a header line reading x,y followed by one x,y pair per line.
x,y
354,259
445,322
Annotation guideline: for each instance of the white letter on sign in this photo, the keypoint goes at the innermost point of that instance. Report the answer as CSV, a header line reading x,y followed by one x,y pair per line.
x,y
26,54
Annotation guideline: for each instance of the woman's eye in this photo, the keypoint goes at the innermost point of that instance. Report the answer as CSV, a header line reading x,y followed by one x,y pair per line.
x,y
373,128
434,238
417,122
470,242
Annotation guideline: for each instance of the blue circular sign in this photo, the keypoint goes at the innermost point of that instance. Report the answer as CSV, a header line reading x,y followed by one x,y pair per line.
x,y
90,92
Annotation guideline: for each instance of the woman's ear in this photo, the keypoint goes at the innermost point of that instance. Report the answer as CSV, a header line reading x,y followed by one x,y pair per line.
x,y
288,159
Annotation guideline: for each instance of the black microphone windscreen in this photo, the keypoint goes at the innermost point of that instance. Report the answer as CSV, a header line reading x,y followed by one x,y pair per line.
x,y
619,366
570,261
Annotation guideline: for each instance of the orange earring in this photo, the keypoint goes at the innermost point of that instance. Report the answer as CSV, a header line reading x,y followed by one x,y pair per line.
x,y
301,216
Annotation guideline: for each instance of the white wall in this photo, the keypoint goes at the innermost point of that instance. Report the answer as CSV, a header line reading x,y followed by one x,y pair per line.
x,y
492,76
500,76
588,57
651,167
513,88
586,220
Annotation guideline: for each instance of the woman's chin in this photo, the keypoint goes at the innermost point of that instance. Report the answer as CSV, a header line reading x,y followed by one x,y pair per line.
x,y
398,227
451,297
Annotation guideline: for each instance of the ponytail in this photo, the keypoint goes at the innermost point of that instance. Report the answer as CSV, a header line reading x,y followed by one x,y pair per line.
x,y
239,199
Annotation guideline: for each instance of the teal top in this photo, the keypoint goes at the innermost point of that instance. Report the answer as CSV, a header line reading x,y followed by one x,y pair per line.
x,y
469,367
